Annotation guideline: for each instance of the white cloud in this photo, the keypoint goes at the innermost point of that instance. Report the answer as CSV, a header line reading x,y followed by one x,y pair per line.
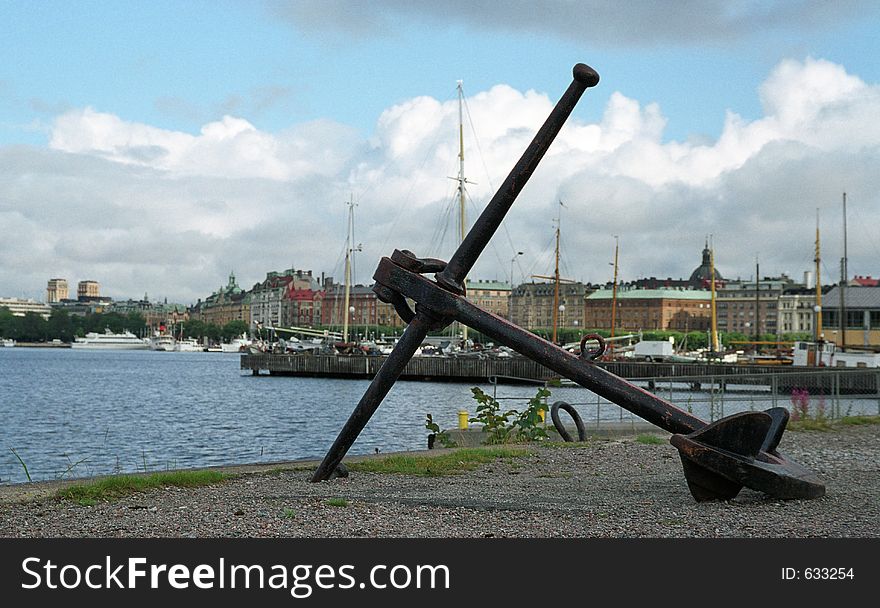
x,y
141,208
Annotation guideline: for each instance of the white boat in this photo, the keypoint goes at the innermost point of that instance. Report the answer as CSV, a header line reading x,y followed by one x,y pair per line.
x,y
7,342
238,345
826,354
110,341
164,342
188,346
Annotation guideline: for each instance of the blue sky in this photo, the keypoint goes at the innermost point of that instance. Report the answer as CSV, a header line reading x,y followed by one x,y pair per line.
x,y
179,64
322,72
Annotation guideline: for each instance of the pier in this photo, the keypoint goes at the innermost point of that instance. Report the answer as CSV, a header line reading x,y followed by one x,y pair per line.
x,y
695,376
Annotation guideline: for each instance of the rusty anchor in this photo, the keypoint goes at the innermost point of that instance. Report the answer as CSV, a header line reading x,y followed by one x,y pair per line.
x,y
718,459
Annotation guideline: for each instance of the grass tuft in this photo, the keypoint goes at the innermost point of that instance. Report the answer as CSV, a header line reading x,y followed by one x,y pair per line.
x,y
113,488
649,439
859,420
451,463
336,502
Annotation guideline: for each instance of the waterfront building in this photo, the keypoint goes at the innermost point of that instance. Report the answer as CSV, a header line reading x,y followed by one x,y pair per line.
x,y
795,310
860,281
491,296
862,306
228,303
368,309
701,276
20,307
532,304
304,307
56,290
165,315
130,306
649,309
741,305
88,290
269,305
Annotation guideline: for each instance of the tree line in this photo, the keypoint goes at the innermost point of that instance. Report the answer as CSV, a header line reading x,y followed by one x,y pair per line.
x,y
63,326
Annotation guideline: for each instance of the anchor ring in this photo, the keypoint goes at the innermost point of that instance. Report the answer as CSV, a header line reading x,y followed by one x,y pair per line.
x,y
592,355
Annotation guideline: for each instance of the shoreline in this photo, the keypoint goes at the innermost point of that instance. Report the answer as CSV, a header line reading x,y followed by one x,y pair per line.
x,y
606,487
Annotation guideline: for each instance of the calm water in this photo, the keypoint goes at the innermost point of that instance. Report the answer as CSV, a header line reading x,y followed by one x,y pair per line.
x,y
75,413
72,413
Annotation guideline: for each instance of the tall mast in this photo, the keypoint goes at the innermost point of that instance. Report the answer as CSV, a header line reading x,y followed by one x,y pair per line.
x,y
712,301
757,303
614,296
843,276
556,277
349,249
818,307
461,182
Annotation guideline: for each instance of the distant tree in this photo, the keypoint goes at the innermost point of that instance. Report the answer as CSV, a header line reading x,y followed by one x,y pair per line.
x,y
34,328
233,329
9,326
61,326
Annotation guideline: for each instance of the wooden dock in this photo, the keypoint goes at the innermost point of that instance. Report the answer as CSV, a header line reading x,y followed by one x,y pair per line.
x,y
519,370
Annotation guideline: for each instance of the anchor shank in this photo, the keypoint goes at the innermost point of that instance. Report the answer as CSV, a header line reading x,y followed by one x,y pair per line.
x,y
476,240
385,378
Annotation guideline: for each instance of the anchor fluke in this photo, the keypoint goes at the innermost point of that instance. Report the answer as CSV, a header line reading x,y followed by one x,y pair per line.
x,y
721,458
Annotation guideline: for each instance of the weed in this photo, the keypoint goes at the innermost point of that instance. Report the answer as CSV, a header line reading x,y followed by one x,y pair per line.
x,y
112,488
440,435
336,502
288,514
525,426
87,502
650,439
451,463
858,420
23,465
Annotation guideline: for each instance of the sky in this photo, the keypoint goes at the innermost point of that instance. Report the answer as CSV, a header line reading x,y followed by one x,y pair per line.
x,y
158,146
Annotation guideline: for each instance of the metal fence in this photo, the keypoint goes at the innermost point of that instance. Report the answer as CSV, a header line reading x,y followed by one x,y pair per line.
x,y
826,394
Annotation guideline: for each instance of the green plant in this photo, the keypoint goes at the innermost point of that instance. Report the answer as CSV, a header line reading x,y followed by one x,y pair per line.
x,y
450,463
23,465
440,435
495,423
859,420
110,488
530,423
504,427
336,502
649,439
288,513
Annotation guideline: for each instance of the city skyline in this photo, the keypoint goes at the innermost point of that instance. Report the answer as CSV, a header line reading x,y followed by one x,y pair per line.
x,y
154,148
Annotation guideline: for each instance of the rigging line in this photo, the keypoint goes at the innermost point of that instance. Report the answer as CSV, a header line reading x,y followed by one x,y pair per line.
x,y
429,150
492,244
861,225
543,258
513,248
441,227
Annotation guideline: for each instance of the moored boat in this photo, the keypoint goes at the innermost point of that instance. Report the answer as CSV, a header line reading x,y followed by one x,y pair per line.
x,y
111,341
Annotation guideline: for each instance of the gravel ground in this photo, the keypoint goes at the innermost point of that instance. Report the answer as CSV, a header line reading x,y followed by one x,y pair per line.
x,y
609,488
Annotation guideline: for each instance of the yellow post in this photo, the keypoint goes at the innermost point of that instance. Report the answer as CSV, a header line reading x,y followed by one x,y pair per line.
x,y
542,414
462,420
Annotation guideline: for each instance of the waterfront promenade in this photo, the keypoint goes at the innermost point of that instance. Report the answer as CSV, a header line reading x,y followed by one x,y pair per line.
x,y
609,487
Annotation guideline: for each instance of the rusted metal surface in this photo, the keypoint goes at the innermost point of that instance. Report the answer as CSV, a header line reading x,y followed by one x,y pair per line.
x,y
718,459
